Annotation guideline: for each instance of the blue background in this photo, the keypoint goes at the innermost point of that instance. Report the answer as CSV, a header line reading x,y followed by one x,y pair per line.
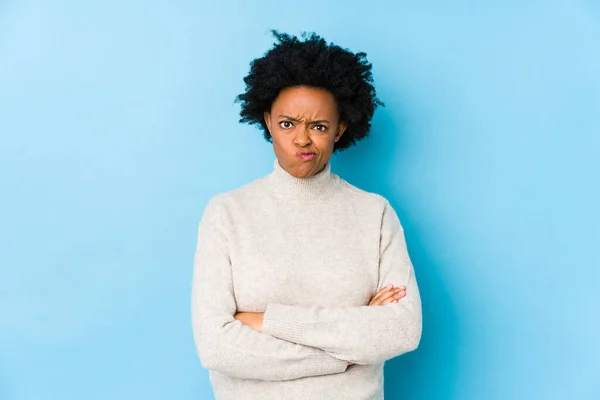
x,y
118,124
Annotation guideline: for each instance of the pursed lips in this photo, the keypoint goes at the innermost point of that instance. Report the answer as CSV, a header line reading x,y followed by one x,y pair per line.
x,y
305,155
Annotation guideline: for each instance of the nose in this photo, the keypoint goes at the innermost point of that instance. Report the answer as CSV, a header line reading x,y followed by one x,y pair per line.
x,y
302,138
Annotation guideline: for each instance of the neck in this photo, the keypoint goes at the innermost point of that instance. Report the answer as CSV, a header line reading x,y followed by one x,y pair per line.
x,y
316,186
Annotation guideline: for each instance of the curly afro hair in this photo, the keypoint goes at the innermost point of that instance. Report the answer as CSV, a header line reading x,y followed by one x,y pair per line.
x,y
312,62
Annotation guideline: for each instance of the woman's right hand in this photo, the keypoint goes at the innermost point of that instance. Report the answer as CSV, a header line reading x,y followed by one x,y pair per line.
x,y
388,294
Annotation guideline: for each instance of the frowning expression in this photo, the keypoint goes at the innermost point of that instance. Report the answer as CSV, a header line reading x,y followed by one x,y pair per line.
x,y
304,126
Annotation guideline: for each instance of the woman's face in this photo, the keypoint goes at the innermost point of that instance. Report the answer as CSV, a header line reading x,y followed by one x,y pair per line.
x,y
304,125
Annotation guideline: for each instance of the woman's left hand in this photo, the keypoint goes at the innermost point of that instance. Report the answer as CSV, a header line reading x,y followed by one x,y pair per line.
x,y
253,320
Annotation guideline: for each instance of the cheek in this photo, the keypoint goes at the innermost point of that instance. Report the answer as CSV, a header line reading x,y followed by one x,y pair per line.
x,y
281,140
325,143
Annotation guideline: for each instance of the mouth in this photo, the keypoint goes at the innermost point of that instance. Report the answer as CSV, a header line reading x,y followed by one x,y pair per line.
x,y
305,155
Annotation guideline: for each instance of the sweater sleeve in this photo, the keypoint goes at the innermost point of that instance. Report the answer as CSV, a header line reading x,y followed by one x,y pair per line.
x,y
223,343
360,334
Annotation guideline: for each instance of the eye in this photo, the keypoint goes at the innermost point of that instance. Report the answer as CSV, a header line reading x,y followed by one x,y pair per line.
x,y
286,124
321,128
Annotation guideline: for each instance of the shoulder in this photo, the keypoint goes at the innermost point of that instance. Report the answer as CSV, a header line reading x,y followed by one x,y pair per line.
x,y
374,204
223,202
363,197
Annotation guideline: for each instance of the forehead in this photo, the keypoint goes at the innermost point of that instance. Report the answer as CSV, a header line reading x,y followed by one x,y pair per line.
x,y
305,100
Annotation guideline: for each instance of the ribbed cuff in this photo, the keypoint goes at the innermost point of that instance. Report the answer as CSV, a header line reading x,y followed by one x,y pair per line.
x,y
325,364
279,321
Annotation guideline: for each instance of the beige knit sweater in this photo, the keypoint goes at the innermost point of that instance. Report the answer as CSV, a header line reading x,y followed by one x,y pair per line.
x,y
309,253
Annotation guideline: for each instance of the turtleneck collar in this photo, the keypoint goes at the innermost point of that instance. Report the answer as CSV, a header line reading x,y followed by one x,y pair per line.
x,y
316,186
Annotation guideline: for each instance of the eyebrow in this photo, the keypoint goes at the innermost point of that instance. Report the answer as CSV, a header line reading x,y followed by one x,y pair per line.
x,y
318,121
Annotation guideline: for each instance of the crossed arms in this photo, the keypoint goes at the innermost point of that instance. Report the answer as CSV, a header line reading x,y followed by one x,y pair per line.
x,y
289,342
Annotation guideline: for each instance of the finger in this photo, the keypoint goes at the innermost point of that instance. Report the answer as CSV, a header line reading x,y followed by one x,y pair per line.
x,y
399,296
384,296
385,292
388,301
380,293
389,294
393,299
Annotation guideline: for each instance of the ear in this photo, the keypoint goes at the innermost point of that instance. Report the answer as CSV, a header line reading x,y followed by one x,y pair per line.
x,y
267,117
341,129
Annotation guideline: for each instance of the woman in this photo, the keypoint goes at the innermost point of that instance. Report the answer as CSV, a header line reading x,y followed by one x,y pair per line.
x,y
303,286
